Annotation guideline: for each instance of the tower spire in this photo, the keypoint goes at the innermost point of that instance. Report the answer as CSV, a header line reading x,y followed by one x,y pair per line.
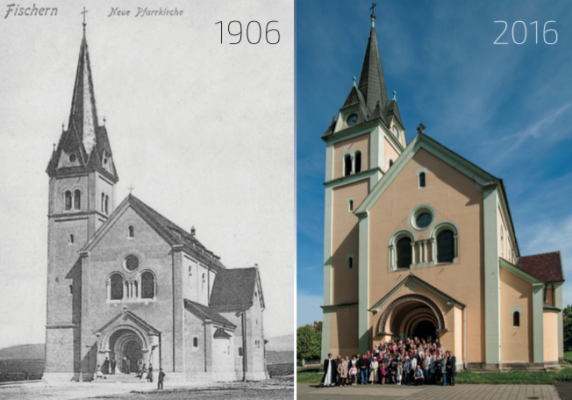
x,y
371,80
84,142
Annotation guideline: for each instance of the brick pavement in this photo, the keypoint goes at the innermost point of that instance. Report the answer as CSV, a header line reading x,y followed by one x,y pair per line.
x,y
457,392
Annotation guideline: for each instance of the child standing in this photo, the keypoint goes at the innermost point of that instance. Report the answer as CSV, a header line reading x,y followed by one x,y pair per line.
x,y
353,373
399,372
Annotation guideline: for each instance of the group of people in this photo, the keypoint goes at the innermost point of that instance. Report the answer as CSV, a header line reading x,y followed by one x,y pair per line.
x,y
409,362
108,368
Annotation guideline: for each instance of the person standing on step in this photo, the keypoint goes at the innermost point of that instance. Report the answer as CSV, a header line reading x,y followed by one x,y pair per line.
x,y
160,379
451,367
113,365
150,373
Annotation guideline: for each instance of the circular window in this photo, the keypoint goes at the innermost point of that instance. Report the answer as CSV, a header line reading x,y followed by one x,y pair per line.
x,y
395,132
72,157
352,119
131,263
423,220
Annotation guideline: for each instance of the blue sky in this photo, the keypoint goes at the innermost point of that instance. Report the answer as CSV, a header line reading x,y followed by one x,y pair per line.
x,y
507,108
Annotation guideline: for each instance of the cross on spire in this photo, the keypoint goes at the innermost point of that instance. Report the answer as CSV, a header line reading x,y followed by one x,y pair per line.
x,y
373,5
130,188
421,128
354,80
84,12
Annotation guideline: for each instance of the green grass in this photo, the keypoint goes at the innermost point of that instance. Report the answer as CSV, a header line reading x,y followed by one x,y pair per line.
x,y
466,377
568,356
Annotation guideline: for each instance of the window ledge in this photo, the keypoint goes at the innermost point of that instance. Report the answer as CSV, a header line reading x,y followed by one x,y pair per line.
x,y
131,301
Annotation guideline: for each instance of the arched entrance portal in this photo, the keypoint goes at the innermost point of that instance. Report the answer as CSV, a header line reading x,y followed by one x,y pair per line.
x,y
126,345
412,316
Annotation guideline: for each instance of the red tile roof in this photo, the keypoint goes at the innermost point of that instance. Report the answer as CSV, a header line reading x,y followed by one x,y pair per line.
x,y
547,267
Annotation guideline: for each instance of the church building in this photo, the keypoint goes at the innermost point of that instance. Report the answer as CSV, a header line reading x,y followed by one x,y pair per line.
x,y
419,241
124,282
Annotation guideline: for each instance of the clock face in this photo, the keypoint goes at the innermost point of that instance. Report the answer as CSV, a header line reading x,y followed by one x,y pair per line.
x,y
352,119
395,132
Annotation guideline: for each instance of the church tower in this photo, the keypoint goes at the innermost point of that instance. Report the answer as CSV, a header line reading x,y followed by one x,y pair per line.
x,y
362,143
81,197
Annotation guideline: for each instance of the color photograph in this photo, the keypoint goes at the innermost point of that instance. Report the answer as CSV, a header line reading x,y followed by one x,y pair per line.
x,y
433,147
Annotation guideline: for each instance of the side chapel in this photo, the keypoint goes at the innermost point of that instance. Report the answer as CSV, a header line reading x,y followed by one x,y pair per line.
x,y
126,282
419,241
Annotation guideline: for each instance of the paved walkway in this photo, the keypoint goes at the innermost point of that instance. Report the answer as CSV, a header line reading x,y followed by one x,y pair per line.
x,y
457,392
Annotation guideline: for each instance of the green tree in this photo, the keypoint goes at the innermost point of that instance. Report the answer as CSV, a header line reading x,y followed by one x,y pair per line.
x,y
308,343
567,316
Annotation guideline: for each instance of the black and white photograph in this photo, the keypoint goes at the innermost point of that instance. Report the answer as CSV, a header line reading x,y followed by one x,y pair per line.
x,y
148,199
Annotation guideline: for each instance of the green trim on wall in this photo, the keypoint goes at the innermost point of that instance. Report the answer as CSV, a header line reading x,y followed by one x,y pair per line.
x,y
491,277
515,309
438,150
363,284
328,248
520,273
537,324
414,279
325,333
329,162
346,180
558,303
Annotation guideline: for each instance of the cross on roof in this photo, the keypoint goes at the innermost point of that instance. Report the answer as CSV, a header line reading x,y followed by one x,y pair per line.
x,y
421,128
84,12
130,188
373,5
354,80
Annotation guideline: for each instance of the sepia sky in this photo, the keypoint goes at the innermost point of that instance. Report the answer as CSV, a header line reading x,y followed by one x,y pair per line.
x,y
204,133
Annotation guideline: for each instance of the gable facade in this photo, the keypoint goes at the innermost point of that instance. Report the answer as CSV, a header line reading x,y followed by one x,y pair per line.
x,y
439,227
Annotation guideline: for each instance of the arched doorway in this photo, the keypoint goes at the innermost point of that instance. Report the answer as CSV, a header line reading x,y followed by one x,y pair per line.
x,y
411,316
127,349
425,329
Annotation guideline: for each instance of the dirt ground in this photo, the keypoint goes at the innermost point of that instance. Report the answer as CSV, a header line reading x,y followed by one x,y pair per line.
x,y
280,388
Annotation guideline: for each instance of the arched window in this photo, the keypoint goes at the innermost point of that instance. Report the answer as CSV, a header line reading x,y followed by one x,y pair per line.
x,y
445,246
358,161
103,202
77,199
240,353
516,319
350,262
116,287
147,285
72,239
390,163
68,200
422,179
106,204
404,253
204,281
131,232
195,342
347,165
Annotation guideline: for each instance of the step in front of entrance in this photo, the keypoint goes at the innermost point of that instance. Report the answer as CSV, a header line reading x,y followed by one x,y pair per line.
x,y
122,378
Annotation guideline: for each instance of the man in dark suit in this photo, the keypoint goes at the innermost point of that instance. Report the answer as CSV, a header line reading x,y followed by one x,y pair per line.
x,y
451,367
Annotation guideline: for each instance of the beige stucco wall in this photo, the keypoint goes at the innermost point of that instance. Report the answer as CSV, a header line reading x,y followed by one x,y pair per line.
x,y
390,153
345,240
516,343
550,321
344,331
349,147
455,198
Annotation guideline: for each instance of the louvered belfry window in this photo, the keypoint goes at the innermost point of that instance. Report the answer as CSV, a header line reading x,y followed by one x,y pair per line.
x,y
404,253
347,165
445,246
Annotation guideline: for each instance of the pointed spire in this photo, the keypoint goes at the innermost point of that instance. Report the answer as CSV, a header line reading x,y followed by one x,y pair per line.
x,y
371,79
83,114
